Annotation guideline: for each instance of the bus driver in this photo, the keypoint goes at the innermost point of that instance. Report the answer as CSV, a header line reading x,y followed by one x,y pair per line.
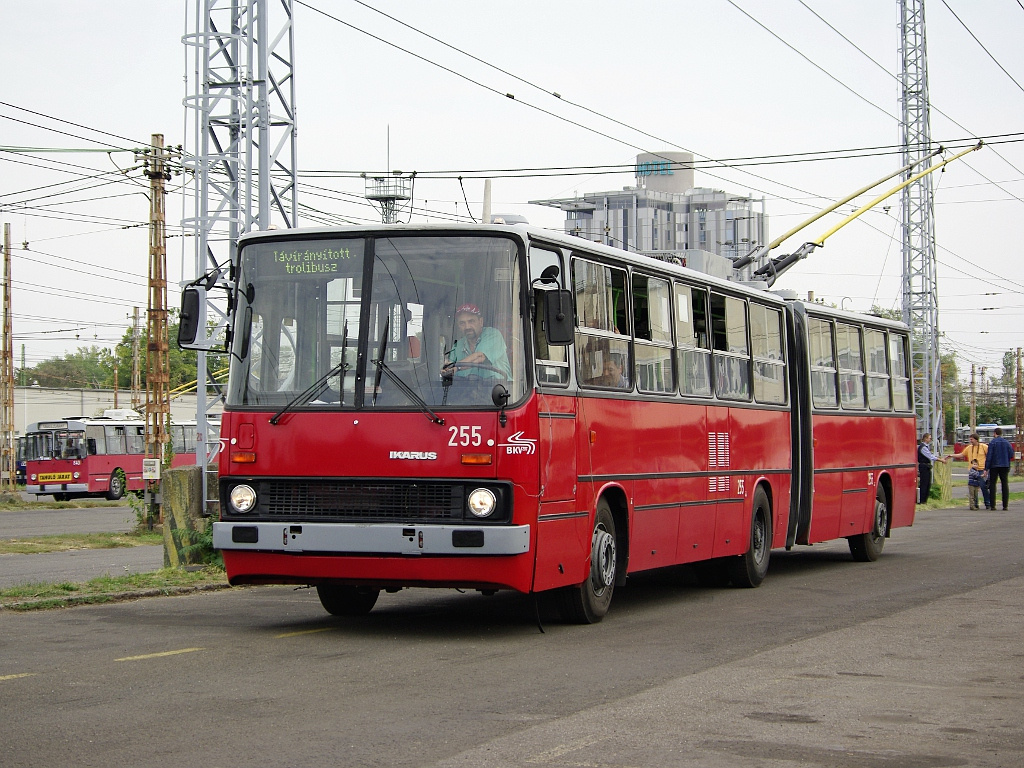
x,y
480,351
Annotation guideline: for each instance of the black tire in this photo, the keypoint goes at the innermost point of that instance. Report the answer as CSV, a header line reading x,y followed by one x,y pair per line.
x,y
117,485
866,547
749,569
61,496
347,601
587,603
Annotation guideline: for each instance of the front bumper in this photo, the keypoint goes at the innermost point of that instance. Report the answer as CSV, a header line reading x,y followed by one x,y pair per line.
x,y
47,488
373,538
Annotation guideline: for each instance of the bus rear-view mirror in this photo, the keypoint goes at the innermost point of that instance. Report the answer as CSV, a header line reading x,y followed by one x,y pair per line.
x,y
558,317
193,306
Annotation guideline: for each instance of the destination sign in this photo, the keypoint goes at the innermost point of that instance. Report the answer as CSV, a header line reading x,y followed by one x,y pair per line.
x,y
52,425
54,477
311,258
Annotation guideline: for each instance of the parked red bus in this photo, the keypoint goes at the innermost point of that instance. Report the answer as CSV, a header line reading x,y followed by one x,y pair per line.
x,y
102,456
623,414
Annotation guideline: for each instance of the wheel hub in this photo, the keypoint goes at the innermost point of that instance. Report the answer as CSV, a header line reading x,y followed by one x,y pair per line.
x,y
602,559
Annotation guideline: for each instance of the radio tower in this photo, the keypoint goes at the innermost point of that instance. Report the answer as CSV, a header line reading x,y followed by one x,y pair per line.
x,y
244,162
920,287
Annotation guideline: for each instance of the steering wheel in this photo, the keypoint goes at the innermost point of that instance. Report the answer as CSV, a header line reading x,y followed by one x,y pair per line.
x,y
479,366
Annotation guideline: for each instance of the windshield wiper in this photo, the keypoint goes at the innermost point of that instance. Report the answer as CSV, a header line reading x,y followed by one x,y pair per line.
x,y
344,368
406,390
310,392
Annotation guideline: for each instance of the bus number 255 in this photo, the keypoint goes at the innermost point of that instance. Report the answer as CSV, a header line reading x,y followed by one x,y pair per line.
x,y
464,436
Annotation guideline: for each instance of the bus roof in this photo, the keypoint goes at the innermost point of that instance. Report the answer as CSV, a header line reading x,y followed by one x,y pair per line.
x,y
531,234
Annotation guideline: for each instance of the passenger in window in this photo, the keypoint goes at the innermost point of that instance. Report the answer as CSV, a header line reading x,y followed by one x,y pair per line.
x,y
612,375
480,351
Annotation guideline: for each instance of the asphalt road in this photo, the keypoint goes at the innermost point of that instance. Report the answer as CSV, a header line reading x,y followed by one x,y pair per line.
x,y
914,660
77,565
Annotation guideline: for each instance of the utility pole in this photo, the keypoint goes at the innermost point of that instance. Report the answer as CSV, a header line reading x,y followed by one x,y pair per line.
x,y
7,460
158,402
1018,469
136,367
974,400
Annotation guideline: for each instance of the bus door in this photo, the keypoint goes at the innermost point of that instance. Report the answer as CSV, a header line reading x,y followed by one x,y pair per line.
x,y
732,382
563,524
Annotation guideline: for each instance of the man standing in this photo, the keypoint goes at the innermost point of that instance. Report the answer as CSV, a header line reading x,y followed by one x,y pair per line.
x,y
1000,454
925,457
974,454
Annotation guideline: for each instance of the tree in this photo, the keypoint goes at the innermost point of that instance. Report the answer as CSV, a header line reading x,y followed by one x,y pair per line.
x,y
93,367
86,368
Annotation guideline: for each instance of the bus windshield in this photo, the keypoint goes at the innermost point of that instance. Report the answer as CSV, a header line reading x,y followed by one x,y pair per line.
x,y
55,444
439,325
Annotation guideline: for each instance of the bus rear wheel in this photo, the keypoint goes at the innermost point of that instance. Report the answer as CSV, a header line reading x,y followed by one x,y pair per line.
x,y
343,600
749,570
866,547
587,603
116,488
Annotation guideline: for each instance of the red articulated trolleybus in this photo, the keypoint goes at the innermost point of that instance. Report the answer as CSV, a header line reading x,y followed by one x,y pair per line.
x,y
102,456
501,407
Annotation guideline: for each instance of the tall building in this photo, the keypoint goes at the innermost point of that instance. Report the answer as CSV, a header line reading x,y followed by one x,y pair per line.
x,y
666,217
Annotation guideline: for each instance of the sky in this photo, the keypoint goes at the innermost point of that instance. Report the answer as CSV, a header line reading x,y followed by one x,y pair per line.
x,y
420,86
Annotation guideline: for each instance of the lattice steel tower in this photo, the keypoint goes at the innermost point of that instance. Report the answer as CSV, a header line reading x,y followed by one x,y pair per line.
x,y
920,286
244,152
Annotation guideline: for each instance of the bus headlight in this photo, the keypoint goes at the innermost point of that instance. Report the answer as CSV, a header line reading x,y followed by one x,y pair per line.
x,y
481,502
242,498
32,477
76,475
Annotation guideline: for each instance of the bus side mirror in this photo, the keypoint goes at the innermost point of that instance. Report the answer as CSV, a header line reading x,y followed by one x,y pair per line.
x,y
558,317
193,310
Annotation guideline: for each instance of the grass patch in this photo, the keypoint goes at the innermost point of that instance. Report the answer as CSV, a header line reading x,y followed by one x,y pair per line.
x,y
933,503
105,589
10,502
66,541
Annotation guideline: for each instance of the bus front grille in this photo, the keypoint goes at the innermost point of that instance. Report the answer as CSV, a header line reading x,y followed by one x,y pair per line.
x,y
360,501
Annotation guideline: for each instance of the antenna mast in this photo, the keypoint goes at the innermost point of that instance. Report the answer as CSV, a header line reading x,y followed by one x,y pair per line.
x,y
920,286
244,160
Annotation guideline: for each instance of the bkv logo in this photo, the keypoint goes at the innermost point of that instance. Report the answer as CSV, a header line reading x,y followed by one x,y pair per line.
x,y
518,444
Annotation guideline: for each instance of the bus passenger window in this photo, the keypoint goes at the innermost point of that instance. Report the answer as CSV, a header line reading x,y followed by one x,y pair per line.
x,y
878,371
823,363
898,345
692,341
602,346
652,327
769,361
851,366
731,352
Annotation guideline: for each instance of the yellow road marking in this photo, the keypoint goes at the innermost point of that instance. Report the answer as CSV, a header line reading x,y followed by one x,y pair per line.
x,y
302,632
158,655
15,677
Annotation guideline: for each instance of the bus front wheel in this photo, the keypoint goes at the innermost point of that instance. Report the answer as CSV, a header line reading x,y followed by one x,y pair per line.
x,y
749,570
866,547
587,603
343,600
116,489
